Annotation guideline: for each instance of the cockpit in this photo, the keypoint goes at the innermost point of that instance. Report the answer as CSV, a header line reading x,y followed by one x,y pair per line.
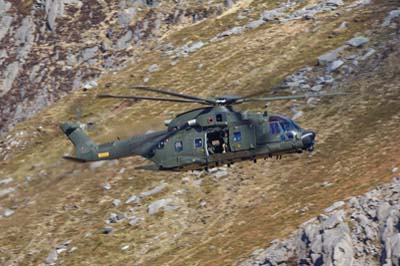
x,y
287,129
285,124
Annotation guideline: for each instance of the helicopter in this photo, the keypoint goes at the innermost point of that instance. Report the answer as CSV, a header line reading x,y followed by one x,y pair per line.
x,y
212,135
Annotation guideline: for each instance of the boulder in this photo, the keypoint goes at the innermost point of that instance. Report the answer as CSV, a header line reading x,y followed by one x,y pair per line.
x,y
392,15
335,65
115,217
357,41
153,191
269,15
135,221
6,181
334,3
107,230
234,31
52,257
116,203
6,191
8,213
107,186
331,56
153,68
155,206
220,173
317,88
193,47
133,199
254,24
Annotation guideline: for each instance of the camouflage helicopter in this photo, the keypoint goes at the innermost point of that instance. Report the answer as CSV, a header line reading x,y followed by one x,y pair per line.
x,y
205,137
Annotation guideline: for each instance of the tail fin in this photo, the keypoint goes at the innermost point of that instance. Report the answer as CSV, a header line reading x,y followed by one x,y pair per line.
x,y
85,148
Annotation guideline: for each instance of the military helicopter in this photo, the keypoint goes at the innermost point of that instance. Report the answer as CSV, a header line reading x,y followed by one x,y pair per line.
x,y
210,136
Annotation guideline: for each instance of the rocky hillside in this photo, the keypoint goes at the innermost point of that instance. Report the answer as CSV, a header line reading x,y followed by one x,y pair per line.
x,y
50,47
56,212
361,231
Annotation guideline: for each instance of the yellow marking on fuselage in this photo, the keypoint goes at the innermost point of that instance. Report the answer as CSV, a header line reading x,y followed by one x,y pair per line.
x,y
103,154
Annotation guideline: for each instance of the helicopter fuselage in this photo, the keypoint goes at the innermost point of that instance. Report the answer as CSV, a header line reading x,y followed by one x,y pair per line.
x,y
219,135
202,138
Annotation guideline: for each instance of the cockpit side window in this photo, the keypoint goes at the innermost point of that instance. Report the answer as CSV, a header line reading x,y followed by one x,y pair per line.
x,y
275,129
286,124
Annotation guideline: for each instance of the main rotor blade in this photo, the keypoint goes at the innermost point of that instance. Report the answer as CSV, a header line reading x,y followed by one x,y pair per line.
x,y
158,90
147,98
282,98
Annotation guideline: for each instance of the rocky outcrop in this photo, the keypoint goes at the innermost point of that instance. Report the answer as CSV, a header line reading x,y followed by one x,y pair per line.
x,y
364,232
42,57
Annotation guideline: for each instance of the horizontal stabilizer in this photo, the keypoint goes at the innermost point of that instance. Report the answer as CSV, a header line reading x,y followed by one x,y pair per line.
x,y
74,159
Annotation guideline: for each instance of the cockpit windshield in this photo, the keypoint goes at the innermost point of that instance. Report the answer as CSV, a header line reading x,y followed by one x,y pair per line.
x,y
285,123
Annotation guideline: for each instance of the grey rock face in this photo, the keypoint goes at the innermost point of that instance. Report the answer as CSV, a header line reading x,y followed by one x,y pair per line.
x,y
10,74
6,191
124,41
357,41
89,53
54,8
335,205
4,7
5,24
125,16
24,37
328,239
392,15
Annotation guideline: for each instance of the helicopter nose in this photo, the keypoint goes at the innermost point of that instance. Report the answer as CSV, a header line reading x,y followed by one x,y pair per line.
x,y
308,139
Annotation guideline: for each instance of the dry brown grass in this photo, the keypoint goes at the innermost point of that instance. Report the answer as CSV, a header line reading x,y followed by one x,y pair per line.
x,y
357,147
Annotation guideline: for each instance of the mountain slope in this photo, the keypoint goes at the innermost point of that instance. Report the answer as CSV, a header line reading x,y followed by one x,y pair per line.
x,y
221,216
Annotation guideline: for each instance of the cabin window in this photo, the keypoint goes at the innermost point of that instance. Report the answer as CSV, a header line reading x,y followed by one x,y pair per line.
x,y
161,145
237,136
198,143
275,129
219,118
178,146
